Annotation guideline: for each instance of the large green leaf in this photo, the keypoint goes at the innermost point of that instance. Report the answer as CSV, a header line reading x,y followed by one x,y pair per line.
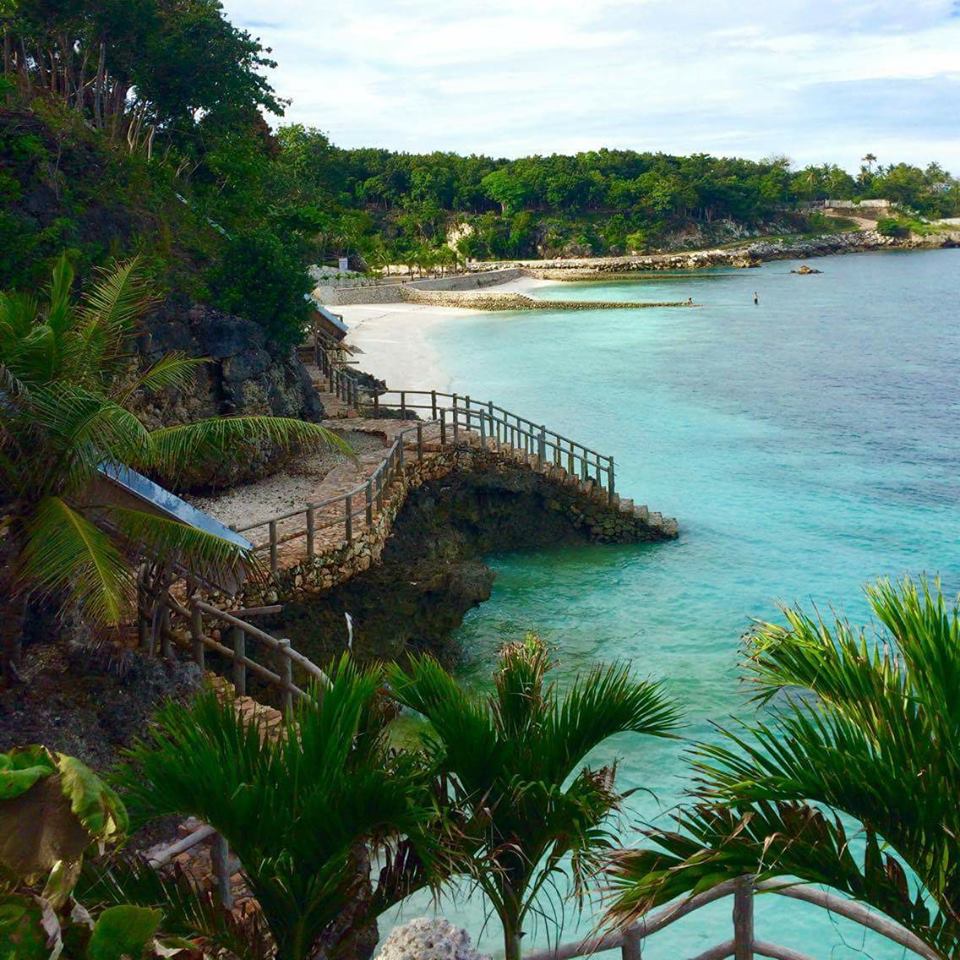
x,y
94,804
22,767
123,932
22,936
47,826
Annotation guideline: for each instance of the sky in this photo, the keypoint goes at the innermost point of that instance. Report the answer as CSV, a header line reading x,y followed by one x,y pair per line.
x,y
817,81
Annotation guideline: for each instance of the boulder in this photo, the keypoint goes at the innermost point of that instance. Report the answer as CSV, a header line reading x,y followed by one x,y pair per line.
x,y
426,939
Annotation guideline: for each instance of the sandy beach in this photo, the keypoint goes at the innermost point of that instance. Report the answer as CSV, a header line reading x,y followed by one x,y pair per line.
x,y
396,337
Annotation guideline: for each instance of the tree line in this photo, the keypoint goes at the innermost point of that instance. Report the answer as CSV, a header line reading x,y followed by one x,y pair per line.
x,y
179,104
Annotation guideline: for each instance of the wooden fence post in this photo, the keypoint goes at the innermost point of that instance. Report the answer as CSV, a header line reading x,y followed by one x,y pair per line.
x,y
369,495
286,674
419,441
631,944
311,528
443,428
196,634
273,545
743,919
239,639
433,404
348,517
166,647
611,488
542,447
456,425
220,855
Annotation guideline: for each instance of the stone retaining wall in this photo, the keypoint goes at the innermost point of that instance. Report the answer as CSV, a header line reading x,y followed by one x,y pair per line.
x,y
586,509
398,292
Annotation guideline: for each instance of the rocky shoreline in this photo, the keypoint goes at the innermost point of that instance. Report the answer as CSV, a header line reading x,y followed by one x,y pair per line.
x,y
742,256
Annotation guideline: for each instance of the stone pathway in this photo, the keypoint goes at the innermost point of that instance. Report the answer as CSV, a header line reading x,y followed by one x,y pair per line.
x,y
351,476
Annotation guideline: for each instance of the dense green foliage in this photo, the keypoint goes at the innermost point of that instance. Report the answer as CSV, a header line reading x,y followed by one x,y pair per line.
x,y
852,780
174,161
515,763
301,805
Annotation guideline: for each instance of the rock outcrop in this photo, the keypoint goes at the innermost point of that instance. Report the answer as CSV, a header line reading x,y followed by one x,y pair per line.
x,y
428,939
246,375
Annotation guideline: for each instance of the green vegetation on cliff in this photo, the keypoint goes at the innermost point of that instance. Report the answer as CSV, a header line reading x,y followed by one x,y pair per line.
x,y
122,134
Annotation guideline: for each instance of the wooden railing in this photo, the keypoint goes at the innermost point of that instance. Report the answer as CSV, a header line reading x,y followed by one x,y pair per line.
x,y
238,651
341,382
503,428
196,614
456,422
744,944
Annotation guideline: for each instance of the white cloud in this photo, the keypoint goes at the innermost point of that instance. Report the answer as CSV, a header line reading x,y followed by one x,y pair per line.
x,y
817,80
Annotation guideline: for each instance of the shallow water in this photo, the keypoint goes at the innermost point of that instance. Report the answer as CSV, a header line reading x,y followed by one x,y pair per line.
x,y
806,445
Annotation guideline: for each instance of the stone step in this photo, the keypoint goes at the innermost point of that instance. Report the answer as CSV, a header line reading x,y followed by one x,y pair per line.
x,y
641,512
625,504
670,527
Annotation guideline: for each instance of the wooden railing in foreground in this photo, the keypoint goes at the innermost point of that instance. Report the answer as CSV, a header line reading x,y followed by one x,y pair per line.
x,y
456,421
744,944
237,651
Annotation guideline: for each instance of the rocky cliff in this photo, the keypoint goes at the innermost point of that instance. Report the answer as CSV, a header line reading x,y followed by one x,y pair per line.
x,y
246,375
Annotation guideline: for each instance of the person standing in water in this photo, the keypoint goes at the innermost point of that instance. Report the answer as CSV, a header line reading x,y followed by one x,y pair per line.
x,y
756,298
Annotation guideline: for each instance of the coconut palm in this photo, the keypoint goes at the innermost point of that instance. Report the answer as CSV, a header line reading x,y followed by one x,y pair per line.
x,y
298,805
863,730
514,758
68,380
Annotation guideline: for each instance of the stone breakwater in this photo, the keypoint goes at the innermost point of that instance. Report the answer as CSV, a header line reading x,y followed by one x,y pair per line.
x,y
520,301
746,255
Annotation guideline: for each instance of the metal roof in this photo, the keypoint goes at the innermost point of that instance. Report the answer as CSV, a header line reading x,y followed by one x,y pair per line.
x,y
169,503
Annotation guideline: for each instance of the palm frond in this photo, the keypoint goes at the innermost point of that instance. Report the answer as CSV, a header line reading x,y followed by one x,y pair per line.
x,y
66,554
109,314
169,541
172,371
175,450
860,729
294,804
604,702
84,430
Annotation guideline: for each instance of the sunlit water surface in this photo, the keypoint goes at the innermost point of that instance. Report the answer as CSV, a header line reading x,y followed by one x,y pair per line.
x,y
806,445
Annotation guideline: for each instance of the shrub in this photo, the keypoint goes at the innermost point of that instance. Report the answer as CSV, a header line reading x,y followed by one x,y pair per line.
x,y
893,227
262,279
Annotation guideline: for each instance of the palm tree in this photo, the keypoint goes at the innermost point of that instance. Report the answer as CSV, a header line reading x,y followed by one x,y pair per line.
x,y
870,159
295,804
513,758
68,378
862,729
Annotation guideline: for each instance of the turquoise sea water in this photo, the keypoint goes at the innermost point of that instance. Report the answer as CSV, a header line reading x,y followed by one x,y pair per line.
x,y
806,445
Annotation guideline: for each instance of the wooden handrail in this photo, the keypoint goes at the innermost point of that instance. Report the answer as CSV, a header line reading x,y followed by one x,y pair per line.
x,y
453,415
744,945
194,613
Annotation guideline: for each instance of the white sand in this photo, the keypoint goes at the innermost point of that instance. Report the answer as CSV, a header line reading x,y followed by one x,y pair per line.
x,y
396,337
